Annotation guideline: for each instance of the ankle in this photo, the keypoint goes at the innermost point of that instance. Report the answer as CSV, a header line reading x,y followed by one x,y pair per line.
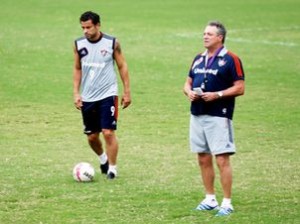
x,y
226,202
112,169
103,158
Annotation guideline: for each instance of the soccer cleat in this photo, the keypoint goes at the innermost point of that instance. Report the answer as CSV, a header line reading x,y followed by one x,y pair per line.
x,y
224,211
204,206
111,176
104,168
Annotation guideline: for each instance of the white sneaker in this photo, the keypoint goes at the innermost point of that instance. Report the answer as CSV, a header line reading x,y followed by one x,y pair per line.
x,y
225,210
207,205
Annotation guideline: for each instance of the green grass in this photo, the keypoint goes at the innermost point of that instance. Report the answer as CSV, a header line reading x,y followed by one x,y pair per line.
x,y
41,133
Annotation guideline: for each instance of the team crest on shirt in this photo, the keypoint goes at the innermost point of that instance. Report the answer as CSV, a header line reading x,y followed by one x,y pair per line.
x,y
104,52
221,62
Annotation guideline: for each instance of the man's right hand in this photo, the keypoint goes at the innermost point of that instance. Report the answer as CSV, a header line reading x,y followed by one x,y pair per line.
x,y
77,101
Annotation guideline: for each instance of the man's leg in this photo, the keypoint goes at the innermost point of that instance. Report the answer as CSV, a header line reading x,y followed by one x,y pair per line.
x,y
95,143
112,148
208,176
207,172
223,162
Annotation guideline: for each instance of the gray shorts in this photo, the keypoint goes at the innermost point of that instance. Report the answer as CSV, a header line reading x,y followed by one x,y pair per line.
x,y
210,134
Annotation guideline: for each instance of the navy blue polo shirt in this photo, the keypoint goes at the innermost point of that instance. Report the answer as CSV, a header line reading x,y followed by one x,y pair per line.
x,y
225,69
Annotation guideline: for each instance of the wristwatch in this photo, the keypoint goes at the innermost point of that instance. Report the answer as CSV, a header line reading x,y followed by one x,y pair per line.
x,y
220,94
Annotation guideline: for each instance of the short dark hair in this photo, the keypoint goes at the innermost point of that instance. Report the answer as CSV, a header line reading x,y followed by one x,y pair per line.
x,y
221,28
89,15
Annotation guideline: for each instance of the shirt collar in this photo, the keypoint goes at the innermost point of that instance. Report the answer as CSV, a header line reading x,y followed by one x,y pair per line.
x,y
221,53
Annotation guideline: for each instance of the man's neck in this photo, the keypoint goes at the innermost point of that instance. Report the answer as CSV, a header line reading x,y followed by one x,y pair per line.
x,y
97,37
212,50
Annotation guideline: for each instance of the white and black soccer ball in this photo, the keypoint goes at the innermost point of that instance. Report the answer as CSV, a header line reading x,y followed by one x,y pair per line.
x,y
83,172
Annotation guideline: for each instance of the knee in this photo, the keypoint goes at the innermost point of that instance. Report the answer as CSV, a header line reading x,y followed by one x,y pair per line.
x,y
205,160
93,137
109,135
223,161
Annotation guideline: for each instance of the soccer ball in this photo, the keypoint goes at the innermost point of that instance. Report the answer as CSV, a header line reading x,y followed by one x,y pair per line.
x,y
83,172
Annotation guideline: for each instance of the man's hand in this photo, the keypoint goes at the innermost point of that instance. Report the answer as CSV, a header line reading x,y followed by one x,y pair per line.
x,y
209,96
193,96
77,101
126,100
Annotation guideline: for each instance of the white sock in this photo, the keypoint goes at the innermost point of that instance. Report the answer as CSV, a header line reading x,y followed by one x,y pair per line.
x,y
113,169
211,200
210,197
226,202
103,158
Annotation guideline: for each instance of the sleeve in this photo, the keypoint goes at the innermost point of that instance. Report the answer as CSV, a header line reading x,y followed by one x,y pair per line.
x,y
237,70
194,63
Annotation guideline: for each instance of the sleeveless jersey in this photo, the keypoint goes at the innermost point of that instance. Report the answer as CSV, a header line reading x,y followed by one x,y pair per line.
x,y
99,78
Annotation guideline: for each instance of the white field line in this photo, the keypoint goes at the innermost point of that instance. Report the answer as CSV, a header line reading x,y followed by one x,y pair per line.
x,y
250,41
284,28
265,42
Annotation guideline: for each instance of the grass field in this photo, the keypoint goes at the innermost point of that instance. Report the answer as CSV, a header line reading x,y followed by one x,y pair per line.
x,y
41,132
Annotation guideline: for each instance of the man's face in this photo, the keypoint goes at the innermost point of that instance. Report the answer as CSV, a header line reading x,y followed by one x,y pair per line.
x,y
90,30
211,38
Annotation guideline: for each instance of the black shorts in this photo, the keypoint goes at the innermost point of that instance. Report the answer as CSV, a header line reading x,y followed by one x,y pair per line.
x,y
98,115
